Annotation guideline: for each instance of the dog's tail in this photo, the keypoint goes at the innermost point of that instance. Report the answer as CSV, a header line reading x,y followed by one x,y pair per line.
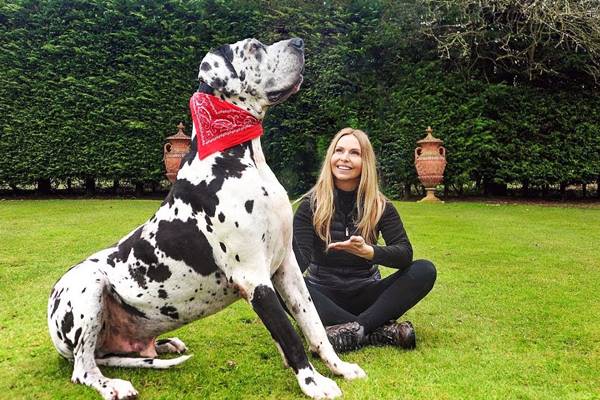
x,y
132,362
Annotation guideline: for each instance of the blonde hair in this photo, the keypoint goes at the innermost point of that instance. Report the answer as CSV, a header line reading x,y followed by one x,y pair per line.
x,y
370,202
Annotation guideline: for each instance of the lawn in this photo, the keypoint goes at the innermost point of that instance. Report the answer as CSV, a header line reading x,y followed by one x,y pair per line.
x,y
513,315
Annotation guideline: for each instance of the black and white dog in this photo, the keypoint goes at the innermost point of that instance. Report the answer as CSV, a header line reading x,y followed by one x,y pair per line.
x,y
223,232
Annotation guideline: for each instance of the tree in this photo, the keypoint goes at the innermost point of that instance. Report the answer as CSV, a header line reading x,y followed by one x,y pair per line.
x,y
548,41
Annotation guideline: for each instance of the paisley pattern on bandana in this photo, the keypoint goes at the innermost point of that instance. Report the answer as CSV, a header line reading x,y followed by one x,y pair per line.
x,y
221,125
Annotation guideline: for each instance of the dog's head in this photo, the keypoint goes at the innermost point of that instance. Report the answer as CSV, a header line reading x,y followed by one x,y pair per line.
x,y
254,76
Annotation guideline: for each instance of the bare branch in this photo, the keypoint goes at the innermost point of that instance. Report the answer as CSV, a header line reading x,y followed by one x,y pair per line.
x,y
523,37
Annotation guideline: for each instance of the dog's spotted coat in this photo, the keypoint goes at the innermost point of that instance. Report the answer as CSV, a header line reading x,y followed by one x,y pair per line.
x,y
224,232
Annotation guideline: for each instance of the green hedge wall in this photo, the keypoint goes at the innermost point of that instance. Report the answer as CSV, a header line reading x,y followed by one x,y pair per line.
x,y
90,89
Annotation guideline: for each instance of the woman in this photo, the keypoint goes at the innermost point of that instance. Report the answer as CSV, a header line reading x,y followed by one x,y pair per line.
x,y
336,228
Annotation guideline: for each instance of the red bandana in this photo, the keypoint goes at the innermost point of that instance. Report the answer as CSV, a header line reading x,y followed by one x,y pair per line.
x,y
221,125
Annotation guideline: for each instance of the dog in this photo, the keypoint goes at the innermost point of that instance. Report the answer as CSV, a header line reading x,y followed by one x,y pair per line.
x,y
224,232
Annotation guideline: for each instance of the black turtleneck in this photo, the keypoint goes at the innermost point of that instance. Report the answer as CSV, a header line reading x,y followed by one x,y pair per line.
x,y
309,248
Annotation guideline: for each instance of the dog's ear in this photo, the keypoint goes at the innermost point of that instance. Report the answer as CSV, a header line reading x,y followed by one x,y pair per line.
x,y
217,71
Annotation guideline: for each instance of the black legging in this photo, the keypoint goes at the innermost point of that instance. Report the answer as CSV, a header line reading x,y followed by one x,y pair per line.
x,y
377,302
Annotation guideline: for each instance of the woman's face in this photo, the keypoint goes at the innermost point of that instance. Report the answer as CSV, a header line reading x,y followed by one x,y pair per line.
x,y
346,163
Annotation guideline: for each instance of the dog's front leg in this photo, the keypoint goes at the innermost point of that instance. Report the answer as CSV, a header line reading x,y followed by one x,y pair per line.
x,y
290,284
264,301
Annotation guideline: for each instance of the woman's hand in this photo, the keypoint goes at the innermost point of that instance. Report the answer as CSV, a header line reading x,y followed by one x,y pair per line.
x,y
355,245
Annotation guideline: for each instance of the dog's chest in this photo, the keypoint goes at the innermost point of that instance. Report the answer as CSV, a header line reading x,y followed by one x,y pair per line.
x,y
250,216
261,204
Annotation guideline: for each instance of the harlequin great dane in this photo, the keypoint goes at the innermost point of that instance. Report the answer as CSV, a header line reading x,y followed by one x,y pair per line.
x,y
223,232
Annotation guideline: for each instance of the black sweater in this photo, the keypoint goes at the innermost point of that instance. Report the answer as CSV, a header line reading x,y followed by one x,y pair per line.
x,y
309,248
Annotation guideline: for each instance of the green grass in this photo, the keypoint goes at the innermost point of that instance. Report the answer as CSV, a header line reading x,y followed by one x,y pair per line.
x,y
514,313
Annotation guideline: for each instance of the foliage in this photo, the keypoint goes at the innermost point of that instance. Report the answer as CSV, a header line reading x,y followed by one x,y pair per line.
x,y
90,89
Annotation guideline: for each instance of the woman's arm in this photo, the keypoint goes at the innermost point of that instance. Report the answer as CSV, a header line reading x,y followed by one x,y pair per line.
x,y
303,234
398,252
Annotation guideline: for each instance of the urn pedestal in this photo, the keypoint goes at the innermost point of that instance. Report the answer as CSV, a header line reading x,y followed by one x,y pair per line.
x,y
175,149
430,161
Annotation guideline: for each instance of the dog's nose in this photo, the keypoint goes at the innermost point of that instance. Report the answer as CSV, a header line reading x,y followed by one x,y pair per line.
x,y
297,43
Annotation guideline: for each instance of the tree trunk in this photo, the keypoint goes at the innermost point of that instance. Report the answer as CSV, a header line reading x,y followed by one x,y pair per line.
x,y
116,186
477,185
43,186
584,190
139,189
563,191
90,186
525,192
544,190
491,188
406,190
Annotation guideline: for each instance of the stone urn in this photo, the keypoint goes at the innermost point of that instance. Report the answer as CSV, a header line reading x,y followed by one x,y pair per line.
x,y
430,160
175,149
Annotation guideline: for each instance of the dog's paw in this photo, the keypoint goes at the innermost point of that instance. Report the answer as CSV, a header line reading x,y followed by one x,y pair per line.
x,y
170,345
118,389
316,386
349,370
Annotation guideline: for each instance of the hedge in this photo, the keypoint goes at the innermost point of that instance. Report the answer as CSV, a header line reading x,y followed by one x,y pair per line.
x,y
90,89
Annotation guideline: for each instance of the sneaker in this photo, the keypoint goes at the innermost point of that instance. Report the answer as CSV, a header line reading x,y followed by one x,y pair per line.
x,y
345,337
394,334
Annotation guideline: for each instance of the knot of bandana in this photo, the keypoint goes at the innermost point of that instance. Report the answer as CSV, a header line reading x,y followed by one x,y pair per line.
x,y
221,125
